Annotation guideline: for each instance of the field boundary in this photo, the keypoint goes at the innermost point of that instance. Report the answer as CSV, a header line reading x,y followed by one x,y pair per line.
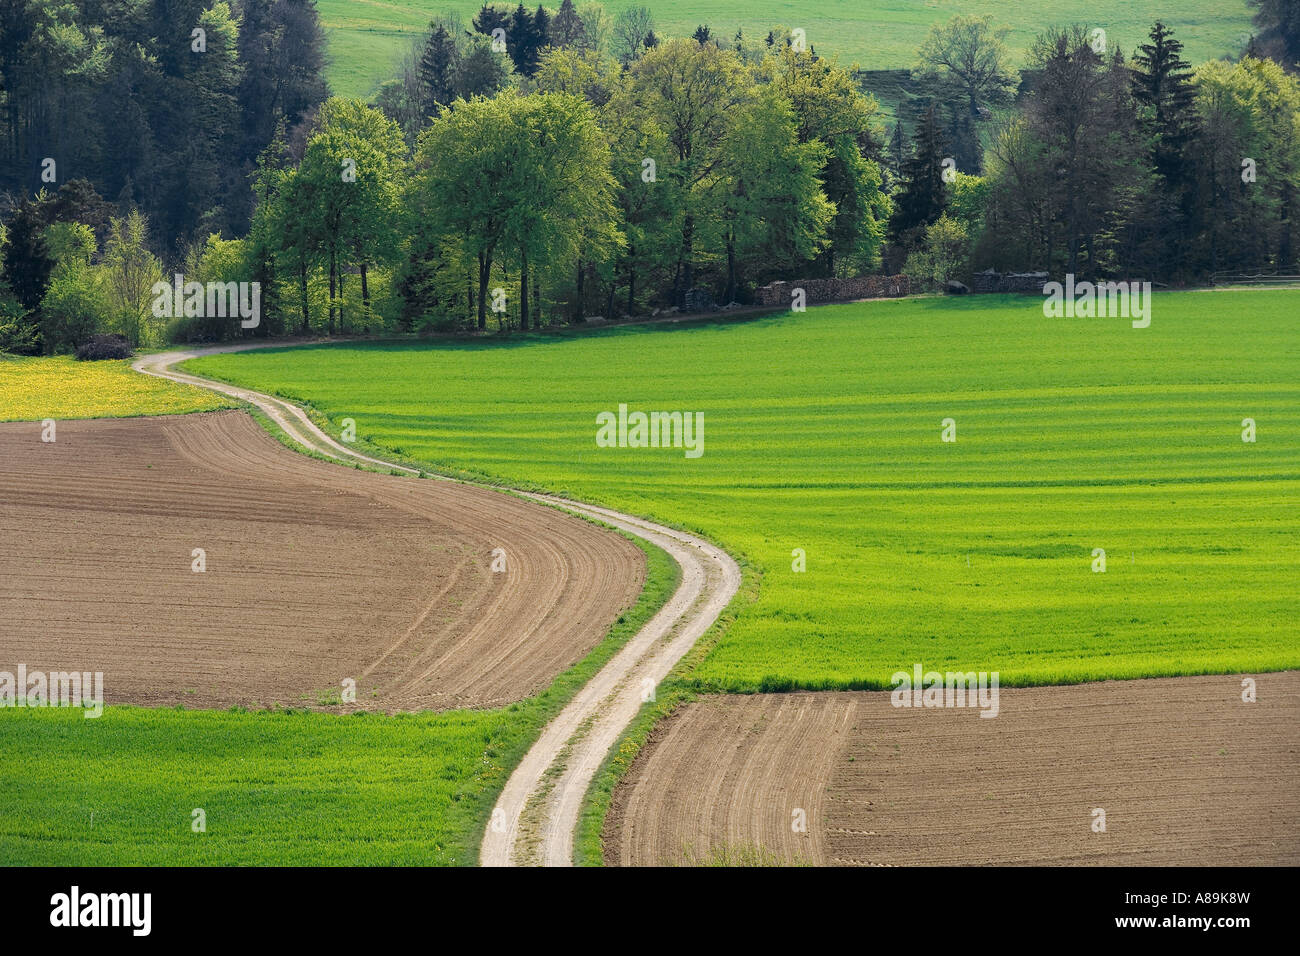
x,y
552,780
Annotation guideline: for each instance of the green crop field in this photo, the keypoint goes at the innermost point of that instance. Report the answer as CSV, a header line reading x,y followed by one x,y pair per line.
x,y
823,433
367,38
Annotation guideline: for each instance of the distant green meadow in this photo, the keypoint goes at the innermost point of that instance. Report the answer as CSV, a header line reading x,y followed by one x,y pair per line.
x,y
366,39
823,435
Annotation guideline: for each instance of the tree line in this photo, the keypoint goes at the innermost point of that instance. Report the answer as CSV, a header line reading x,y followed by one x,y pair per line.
x,y
534,166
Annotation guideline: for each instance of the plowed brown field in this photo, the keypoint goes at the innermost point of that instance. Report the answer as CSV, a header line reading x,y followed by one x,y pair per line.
x,y
1186,772
315,573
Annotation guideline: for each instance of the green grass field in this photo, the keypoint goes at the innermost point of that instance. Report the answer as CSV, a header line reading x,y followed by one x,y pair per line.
x,y
823,433
367,38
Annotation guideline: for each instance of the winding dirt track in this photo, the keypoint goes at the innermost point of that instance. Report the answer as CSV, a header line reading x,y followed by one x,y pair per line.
x,y
536,816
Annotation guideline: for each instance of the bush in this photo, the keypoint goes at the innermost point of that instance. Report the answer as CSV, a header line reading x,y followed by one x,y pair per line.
x,y
104,347
18,334
72,308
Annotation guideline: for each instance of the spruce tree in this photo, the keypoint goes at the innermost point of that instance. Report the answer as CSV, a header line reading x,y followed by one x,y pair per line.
x,y
525,50
923,198
567,28
542,27
1162,83
438,71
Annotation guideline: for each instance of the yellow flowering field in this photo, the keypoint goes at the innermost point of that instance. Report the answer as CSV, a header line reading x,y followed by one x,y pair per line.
x,y
32,389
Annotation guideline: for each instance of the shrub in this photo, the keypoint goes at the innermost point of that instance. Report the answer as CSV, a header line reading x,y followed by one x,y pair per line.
x,y
19,335
104,347
72,308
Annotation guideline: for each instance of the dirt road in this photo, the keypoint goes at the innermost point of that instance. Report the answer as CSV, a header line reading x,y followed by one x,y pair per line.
x,y
537,814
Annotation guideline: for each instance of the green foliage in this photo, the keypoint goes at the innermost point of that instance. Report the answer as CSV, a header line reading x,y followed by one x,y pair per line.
x,y
1248,110
943,254
770,205
967,57
74,306
1072,435
514,175
130,273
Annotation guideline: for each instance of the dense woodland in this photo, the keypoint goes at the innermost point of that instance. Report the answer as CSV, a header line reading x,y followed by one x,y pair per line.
x,y
532,167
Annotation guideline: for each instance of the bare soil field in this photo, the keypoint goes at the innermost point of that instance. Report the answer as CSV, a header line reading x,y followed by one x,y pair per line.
x,y
1186,772
314,573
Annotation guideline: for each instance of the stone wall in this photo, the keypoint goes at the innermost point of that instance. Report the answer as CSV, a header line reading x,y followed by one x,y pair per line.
x,y
990,281
833,290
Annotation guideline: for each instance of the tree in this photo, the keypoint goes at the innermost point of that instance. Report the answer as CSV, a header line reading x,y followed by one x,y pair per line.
x,y
967,57
1248,111
566,27
774,214
597,27
1278,31
27,263
72,308
942,255
632,27
1066,176
542,28
689,90
438,70
282,52
591,75
897,153
491,18
922,199
514,175
831,110
131,271
481,71
351,171
1163,93
525,46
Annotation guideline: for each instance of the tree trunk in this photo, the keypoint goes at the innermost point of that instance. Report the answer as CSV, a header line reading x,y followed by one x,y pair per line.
x,y
577,305
688,271
302,285
333,279
365,298
484,273
731,266
631,286
537,304
523,289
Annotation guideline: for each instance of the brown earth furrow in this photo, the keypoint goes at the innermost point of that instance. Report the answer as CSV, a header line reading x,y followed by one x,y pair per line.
x,y
1185,770
315,573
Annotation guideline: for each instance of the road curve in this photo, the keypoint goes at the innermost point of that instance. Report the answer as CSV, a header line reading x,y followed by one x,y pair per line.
x,y
536,817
